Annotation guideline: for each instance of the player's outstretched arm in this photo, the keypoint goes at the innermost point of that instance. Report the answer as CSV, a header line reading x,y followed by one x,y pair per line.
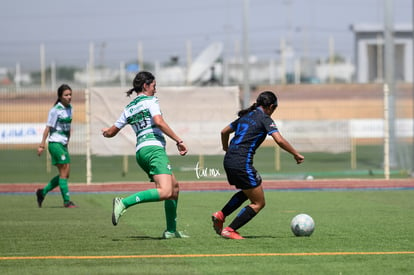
x,y
110,132
165,128
285,145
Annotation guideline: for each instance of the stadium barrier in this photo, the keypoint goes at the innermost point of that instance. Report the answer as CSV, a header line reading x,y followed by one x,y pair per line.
x,y
314,118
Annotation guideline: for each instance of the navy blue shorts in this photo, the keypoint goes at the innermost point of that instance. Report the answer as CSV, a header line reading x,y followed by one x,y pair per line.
x,y
243,178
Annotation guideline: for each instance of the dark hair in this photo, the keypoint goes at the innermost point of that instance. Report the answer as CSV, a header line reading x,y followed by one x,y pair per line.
x,y
265,99
140,79
60,91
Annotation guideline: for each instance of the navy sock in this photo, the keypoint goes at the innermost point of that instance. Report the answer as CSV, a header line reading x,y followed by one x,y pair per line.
x,y
238,199
245,215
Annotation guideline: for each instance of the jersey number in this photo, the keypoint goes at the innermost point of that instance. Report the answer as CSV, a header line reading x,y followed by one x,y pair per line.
x,y
241,132
139,120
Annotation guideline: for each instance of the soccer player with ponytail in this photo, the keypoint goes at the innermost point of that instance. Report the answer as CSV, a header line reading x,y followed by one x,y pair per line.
x,y
144,116
250,130
57,133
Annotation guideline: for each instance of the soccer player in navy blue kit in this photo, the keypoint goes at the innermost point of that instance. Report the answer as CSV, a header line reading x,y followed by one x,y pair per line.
x,y
250,130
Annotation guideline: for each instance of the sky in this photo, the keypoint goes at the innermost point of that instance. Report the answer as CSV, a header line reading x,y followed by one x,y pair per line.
x,y
165,28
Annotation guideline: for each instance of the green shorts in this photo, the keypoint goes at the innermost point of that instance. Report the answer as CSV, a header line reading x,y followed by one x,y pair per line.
x,y
59,153
154,161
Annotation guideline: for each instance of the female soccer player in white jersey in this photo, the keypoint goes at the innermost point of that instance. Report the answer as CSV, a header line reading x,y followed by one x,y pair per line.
x,y
144,115
57,133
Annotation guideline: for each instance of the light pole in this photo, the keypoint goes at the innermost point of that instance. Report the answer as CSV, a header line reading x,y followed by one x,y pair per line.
x,y
246,77
389,77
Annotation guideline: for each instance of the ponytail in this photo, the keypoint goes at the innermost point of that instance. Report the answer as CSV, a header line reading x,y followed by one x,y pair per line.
x,y
265,99
247,110
140,79
129,92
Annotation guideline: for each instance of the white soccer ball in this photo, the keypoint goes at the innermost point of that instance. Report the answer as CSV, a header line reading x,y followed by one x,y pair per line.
x,y
302,225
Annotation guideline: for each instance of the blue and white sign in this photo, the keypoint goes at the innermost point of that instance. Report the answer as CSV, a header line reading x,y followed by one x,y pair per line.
x,y
21,133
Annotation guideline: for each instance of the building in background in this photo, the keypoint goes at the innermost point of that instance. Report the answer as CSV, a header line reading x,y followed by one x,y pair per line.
x,y
370,55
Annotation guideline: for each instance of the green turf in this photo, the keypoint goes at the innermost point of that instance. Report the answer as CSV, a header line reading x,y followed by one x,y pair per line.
x,y
25,166
351,221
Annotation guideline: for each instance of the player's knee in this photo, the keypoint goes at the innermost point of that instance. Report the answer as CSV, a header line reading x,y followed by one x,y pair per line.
x,y
260,206
166,194
175,190
174,196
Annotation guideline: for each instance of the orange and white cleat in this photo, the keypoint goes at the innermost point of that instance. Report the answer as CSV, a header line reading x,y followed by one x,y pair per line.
x,y
218,220
229,233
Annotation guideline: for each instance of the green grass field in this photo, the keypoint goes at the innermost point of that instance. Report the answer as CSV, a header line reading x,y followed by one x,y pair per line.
x,y
24,166
55,240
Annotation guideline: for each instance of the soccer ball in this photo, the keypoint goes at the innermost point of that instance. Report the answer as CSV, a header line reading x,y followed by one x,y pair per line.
x,y
302,225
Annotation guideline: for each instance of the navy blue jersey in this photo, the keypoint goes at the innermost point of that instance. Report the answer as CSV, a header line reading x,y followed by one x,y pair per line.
x,y
250,131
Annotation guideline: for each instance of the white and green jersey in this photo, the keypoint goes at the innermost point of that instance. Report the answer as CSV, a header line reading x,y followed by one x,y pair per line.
x,y
59,121
139,114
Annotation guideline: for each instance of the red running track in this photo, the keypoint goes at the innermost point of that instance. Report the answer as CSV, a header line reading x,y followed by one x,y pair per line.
x,y
223,185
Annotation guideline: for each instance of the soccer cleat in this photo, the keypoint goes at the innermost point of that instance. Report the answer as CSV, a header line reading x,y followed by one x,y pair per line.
x,y
176,234
118,209
40,197
229,233
69,204
218,220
